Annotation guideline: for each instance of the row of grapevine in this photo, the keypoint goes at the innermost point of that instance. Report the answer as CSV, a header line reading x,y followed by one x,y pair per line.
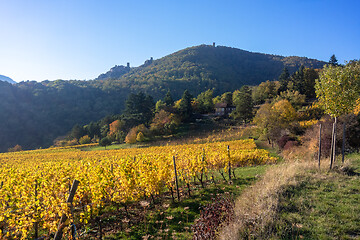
x,y
35,184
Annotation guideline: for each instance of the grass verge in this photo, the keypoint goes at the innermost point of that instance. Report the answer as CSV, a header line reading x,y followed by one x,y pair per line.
x,y
295,200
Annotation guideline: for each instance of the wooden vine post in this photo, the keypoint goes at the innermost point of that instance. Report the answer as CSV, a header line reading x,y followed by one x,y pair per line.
x,y
343,144
333,147
63,219
228,152
36,223
176,179
319,155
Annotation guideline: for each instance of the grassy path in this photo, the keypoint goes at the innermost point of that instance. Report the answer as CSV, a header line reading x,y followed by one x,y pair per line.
x,y
322,205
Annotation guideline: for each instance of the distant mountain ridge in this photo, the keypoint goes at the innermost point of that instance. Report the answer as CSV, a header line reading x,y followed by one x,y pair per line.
x,y
33,113
6,79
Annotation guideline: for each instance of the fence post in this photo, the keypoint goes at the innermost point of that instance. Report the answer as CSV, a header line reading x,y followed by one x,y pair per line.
x,y
36,224
63,219
176,179
228,152
319,155
343,144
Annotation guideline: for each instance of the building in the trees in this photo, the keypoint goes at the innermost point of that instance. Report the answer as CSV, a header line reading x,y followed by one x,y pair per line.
x,y
223,109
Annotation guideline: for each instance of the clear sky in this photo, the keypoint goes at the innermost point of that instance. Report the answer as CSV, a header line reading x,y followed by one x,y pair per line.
x,y
80,39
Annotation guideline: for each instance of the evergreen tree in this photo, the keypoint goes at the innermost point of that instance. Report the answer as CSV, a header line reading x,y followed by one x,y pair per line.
x,y
297,80
244,105
77,132
310,75
168,99
284,79
185,108
138,109
333,61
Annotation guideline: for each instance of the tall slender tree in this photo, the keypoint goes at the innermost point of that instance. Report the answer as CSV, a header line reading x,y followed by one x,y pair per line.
x,y
185,108
338,89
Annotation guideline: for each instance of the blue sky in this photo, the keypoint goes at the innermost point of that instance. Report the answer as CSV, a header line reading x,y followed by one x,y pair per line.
x,y
78,39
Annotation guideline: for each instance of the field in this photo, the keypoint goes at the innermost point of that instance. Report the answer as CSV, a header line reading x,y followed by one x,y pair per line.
x,y
35,184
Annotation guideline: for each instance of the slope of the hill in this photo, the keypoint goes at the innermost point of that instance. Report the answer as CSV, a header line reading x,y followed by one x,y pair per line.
x,y
202,67
33,114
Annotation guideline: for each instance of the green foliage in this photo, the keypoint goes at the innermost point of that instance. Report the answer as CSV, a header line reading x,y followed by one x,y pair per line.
x,y
333,61
139,109
160,105
294,97
265,91
338,88
77,132
105,142
168,100
85,139
244,105
205,102
185,108
273,119
284,79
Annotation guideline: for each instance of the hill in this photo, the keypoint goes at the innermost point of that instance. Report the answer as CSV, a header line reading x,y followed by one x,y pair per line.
x,y
204,67
6,79
33,114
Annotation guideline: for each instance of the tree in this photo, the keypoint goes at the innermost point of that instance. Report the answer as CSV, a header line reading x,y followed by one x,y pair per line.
x,y
85,140
185,108
205,102
244,104
105,142
284,79
271,119
138,109
338,90
265,91
296,99
77,132
160,105
310,75
297,80
333,61
168,100
227,98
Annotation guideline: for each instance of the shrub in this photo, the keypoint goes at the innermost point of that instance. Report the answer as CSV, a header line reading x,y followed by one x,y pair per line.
x,y
85,139
131,136
140,137
16,148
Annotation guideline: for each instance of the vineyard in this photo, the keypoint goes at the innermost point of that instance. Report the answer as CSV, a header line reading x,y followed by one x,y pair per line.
x,y
35,185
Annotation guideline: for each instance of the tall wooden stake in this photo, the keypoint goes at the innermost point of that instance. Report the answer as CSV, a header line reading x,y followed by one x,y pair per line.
x,y
176,179
36,224
319,155
334,149
332,146
343,144
63,219
228,152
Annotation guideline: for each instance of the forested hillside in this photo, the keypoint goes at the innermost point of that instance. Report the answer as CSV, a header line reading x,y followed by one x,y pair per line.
x,y
33,114
205,67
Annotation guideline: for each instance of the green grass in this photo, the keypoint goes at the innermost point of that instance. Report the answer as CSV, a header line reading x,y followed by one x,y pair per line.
x,y
165,218
322,205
